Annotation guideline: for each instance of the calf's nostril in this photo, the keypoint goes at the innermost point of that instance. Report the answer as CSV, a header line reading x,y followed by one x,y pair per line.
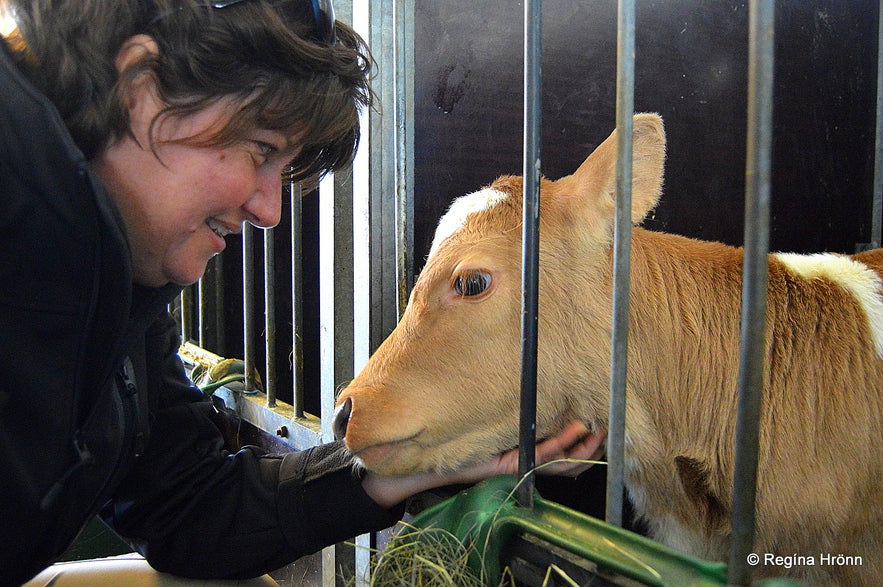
x,y
342,418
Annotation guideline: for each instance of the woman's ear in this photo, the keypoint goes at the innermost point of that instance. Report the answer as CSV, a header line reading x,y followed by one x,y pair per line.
x,y
135,50
137,84
133,53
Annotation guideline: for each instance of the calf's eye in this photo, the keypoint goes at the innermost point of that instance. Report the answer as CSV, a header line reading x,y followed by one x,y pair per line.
x,y
472,282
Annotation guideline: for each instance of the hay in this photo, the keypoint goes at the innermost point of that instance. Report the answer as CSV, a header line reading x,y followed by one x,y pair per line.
x,y
436,558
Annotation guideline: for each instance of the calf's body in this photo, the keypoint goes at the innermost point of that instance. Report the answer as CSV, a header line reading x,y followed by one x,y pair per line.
x,y
442,390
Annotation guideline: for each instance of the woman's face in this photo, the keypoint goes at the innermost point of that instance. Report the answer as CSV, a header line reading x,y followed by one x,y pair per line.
x,y
179,202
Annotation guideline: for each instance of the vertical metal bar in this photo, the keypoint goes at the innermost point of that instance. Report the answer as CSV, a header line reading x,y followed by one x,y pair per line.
x,y
248,304
326,342
335,313
270,316
209,306
326,306
361,244
754,284
362,262
384,290
403,25
220,321
202,304
877,205
177,305
622,243
297,296
186,320
530,247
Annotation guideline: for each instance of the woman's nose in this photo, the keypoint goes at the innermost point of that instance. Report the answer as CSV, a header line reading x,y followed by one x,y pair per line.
x,y
264,207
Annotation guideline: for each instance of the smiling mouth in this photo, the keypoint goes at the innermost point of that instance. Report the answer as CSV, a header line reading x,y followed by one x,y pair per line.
x,y
218,228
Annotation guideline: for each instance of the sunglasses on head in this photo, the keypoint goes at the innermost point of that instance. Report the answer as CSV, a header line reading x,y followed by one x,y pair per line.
x,y
319,12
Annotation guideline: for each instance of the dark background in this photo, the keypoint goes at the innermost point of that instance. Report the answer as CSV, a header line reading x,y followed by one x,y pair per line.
x,y
691,67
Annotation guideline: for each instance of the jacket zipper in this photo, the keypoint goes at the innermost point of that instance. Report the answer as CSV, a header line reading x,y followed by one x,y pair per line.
x,y
139,422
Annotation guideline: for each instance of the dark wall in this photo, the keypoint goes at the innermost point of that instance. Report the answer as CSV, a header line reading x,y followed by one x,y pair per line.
x,y
691,67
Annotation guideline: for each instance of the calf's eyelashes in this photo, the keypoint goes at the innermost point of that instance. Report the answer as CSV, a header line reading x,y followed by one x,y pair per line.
x,y
471,282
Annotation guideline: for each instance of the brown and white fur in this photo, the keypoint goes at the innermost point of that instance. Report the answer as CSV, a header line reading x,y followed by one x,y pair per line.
x,y
442,390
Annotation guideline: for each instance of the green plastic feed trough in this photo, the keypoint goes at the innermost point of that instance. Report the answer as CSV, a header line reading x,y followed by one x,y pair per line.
x,y
484,518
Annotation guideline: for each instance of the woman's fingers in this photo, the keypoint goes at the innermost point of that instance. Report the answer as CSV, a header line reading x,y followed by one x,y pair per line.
x,y
572,447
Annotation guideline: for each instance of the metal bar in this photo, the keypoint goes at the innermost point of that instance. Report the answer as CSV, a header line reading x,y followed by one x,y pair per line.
x,y
270,316
185,314
362,262
335,315
530,248
248,304
209,306
877,205
362,265
326,340
327,296
403,25
220,304
754,284
202,304
384,294
622,247
297,297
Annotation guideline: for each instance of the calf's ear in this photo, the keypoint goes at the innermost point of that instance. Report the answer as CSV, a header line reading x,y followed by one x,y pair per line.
x,y
594,183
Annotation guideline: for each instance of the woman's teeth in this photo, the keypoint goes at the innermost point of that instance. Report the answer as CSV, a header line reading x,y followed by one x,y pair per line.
x,y
218,228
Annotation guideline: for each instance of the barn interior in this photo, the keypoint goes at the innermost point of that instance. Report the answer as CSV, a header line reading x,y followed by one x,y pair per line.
x,y
303,305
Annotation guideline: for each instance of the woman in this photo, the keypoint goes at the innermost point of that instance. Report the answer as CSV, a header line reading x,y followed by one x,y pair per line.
x,y
136,135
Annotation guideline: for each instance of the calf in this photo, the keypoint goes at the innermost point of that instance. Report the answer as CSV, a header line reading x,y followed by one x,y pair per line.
x,y
442,391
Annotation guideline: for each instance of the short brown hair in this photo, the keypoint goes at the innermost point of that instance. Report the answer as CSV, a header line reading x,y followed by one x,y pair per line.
x,y
280,78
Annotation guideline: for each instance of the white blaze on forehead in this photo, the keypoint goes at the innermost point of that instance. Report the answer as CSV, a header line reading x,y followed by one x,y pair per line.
x,y
862,282
455,218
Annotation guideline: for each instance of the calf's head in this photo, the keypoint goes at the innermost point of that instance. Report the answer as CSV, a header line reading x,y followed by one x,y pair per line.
x,y
442,391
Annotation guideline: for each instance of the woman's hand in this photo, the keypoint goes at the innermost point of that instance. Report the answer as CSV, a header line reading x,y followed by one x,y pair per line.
x,y
574,444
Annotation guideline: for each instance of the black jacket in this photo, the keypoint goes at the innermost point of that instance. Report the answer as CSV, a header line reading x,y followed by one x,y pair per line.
x,y
96,413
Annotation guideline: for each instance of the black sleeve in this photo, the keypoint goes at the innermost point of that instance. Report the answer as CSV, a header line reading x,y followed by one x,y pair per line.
x,y
194,509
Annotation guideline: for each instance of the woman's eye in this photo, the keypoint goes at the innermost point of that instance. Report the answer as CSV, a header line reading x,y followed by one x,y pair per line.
x,y
472,283
265,149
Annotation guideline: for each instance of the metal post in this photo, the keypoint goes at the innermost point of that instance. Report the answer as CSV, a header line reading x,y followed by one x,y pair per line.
x,y
877,205
622,243
248,304
186,319
327,383
297,296
754,284
403,25
270,316
361,236
530,247
201,304
386,267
